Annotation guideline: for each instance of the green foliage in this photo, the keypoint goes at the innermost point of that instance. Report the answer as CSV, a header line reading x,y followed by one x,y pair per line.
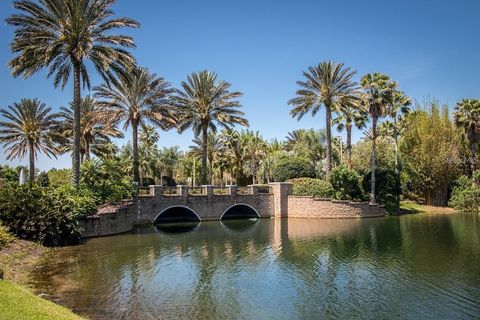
x,y
45,215
5,236
362,155
105,181
386,188
346,183
59,177
466,194
317,188
43,180
291,168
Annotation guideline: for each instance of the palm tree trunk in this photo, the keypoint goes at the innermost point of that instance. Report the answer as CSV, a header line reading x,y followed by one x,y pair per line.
x,y
210,163
329,139
473,165
204,154
254,170
32,163
76,124
373,199
136,161
397,155
349,146
87,151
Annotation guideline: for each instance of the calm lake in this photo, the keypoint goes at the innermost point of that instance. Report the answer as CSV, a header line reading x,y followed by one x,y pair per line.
x,y
424,266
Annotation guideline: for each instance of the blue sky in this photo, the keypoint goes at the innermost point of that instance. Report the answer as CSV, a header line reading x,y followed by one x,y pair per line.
x,y
431,47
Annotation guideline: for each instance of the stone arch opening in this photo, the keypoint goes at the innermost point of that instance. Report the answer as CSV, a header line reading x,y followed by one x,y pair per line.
x,y
240,211
177,214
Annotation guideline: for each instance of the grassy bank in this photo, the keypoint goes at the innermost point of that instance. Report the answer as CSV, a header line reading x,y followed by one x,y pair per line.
x,y
407,207
17,260
18,303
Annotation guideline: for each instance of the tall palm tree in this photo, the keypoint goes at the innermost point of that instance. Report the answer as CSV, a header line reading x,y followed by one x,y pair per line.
x,y
62,35
255,149
327,84
348,117
399,106
205,103
28,128
234,147
379,90
467,117
97,127
136,99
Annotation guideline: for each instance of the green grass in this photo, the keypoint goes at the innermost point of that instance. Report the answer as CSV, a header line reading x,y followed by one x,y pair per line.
x,y
18,303
411,207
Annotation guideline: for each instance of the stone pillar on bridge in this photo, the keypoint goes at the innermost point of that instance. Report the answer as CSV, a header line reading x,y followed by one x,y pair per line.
x,y
232,190
253,189
182,191
207,190
155,190
281,191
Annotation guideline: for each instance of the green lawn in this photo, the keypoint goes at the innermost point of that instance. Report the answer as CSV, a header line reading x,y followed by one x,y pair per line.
x,y
18,303
411,207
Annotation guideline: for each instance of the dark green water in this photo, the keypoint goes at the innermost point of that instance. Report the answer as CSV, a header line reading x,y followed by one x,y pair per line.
x,y
411,267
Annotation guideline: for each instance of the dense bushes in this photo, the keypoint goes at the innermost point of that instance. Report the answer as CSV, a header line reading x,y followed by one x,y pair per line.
x,y
291,168
346,183
105,181
5,237
466,194
387,187
312,187
45,215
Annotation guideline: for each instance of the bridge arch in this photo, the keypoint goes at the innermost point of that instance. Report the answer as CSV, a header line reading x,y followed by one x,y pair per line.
x,y
240,211
177,213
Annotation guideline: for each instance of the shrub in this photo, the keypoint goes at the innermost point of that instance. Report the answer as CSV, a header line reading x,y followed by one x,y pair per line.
x,y
387,187
312,187
465,194
291,168
59,177
48,216
346,183
5,236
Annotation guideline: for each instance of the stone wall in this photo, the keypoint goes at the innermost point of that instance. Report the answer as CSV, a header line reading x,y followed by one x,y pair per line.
x,y
309,207
119,220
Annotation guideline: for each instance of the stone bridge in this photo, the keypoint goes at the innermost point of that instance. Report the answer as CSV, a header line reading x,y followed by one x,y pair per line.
x,y
182,203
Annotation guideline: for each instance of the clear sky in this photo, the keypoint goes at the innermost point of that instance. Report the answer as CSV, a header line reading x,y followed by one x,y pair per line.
x,y
431,47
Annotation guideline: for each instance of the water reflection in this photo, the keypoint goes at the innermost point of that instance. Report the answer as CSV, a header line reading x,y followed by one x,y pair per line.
x,y
422,266
174,227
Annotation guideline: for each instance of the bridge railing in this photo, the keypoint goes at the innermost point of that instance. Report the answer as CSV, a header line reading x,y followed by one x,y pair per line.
x,y
264,188
156,190
195,191
220,191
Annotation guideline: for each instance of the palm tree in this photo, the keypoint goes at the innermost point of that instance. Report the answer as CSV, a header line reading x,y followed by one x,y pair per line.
x,y
97,127
327,84
307,143
399,106
379,90
28,128
348,117
213,145
234,148
62,35
204,104
255,149
136,99
467,117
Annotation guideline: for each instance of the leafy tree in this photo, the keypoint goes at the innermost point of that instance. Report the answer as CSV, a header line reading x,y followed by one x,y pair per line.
x,y
59,177
387,188
327,84
97,127
136,99
203,104
430,150
291,168
379,90
362,152
307,143
467,117
28,129
62,35
350,116
346,183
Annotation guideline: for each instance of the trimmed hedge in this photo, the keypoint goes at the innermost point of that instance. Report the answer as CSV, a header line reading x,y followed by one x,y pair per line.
x,y
291,168
317,188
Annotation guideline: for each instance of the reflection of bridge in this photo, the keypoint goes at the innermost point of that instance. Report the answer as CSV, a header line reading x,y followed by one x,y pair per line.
x,y
182,203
